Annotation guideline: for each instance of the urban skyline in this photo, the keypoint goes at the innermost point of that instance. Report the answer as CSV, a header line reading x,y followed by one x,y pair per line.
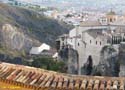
x,y
100,5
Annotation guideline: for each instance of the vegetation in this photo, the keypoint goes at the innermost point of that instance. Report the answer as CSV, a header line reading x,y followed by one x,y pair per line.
x,y
42,62
49,64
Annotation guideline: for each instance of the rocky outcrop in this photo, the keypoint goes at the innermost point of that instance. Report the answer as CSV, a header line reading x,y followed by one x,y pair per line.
x,y
122,59
14,39
70,57
72,61
33,24
109,63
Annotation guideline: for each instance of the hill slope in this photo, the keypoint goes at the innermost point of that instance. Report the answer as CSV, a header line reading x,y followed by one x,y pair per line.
x,y
19,25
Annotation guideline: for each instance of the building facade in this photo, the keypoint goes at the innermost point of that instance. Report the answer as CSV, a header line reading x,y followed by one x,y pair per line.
x,y
89,40
90,37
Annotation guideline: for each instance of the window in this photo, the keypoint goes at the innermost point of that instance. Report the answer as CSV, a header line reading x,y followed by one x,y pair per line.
x,y
110,19
123,39
63,38
96,42
78,44
100,43
90,41
63,43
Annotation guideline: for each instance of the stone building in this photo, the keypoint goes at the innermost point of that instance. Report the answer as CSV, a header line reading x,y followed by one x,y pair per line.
x,y
111,17
89,38
61,42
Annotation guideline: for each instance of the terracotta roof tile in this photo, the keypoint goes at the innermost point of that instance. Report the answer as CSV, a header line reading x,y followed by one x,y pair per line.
x,y
65,84
44,81
96,85
84,84
40,79
71,84
48,83
60,83
115,85
77,84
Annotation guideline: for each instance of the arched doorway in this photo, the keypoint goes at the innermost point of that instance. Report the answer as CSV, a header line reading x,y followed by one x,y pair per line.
x,y
88,66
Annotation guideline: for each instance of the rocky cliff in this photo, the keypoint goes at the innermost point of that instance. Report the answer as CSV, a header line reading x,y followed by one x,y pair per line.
x,y
20,29
33,24
14,39
70,56
108,64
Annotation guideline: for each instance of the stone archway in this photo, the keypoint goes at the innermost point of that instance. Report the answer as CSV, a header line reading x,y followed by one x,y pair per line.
x,y
88,66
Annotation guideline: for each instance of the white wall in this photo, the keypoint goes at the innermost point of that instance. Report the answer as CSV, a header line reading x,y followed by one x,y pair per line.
x,y
92,48
85,48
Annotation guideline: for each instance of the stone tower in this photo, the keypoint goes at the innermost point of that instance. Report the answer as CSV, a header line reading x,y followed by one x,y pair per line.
x,y
111,16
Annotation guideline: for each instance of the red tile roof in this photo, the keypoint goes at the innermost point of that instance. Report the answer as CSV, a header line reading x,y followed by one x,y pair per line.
x,y
49,80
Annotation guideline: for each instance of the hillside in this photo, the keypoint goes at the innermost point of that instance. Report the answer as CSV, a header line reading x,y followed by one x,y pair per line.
x,y
21,29
32,23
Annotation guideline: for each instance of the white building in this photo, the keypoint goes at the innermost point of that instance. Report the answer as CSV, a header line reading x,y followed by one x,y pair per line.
x,y
39,50
61,41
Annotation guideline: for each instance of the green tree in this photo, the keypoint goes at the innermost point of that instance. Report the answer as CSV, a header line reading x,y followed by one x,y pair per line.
x,y
49,64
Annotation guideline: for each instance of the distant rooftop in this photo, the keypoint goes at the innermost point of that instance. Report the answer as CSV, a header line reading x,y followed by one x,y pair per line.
x,y
97,23
111,13
90,23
